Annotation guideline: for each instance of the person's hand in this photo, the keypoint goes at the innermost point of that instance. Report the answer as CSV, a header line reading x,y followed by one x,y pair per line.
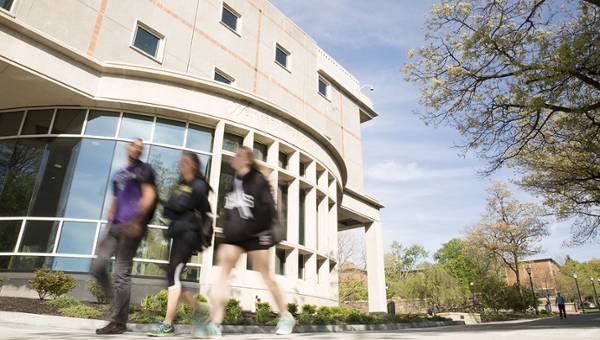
x,y
105,233
132,229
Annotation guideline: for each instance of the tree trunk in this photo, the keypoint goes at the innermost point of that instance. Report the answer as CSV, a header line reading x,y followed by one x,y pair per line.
x,y
519,284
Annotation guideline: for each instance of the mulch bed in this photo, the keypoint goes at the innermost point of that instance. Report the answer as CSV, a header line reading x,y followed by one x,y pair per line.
x,y
37,306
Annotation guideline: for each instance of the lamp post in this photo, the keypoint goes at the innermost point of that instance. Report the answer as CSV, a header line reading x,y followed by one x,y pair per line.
x,y
595,294
579,293
472,292
532,292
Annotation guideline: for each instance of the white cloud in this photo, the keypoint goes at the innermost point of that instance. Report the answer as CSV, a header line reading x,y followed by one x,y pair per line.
x,y
390,171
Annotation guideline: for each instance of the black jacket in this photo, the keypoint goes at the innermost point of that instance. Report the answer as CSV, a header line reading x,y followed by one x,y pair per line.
x,y
249,212
184,201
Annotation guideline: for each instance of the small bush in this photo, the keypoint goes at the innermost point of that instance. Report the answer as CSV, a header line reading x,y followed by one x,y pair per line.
x,y
96,290
147,302
545,312
63,301
200,298
263,310
309,309
292,308
51,283
80,311
233,311
161,299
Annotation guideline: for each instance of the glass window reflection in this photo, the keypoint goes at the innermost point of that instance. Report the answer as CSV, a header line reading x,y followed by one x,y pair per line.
x,y
165,162
68,121
102,123
169,132
39,237
225,184
69,264
9,233
231,141
200,138
7,147
136,126
37,122
153,246
90,180
21,177
10,122
149,269
76,238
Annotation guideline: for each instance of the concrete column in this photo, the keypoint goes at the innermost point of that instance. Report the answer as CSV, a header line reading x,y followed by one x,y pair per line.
x,y
375,268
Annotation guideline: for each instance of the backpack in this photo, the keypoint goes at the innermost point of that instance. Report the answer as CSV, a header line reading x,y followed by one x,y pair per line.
x,y
205,229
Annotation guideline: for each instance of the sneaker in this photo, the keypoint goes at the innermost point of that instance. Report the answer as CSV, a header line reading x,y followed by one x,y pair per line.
x,y
112,328
163,329
285,325
201,317
208,330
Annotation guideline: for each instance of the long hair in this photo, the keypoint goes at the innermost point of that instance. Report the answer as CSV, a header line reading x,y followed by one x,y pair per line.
x,y
195,160
249,153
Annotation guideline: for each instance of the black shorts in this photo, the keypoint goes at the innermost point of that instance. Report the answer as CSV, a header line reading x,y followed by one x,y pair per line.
x,y
254,243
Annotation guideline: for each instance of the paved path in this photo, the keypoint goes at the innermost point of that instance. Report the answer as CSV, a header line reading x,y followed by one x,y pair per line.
x,y
580,327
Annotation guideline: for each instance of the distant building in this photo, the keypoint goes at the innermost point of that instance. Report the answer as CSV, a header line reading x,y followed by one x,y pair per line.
x,y
80,79
543,274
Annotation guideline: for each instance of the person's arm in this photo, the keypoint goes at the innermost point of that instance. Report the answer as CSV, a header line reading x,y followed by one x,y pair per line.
x,y
110,216
189,200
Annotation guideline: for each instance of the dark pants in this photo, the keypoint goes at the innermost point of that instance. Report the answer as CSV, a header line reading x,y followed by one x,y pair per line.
x,y
123,248
561,310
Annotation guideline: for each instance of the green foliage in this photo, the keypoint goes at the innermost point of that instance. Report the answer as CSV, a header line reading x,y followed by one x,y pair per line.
x,y
263,311
292,308
80,311
233,311
403,259
96,290
309,309
454,257
63,301
51,283
200,298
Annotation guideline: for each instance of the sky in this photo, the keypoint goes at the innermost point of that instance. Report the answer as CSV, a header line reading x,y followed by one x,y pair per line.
x,y
430,193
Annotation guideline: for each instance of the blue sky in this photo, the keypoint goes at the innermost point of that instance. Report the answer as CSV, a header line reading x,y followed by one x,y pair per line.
x,y
430,193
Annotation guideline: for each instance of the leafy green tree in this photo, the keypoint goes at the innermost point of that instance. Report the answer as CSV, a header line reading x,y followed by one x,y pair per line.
x,y
454,257
509,230
520,81
402,260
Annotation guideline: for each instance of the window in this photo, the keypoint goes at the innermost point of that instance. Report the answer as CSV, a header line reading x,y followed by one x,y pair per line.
x,y
230,18
148,41
324,87
302,169
301,266
260,151
280,261
283,160
302,218
10,123
231,141
68,122
6,4
37,122
223,77
282,56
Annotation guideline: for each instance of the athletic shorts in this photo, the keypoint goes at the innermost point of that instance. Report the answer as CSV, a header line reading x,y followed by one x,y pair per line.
x,y
251,244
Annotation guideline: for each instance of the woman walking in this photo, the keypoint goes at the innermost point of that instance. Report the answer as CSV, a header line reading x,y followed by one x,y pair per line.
x,y
249,209
187,202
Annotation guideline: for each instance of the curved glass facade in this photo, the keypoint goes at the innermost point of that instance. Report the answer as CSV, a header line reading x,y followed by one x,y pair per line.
x,y
56,167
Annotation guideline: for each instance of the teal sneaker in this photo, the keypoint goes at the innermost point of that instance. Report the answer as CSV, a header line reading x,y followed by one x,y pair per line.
x,y
208,330
163,329
285,325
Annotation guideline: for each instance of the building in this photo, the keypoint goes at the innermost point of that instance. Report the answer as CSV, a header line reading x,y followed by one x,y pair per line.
x,y
80,79
543,274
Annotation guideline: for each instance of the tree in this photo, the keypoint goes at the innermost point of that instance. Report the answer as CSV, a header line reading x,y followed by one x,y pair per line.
x,y
402,260
352,269
454,257
509,230
520,81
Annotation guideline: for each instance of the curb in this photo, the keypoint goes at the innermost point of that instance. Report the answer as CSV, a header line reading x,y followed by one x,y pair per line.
x,y
89,324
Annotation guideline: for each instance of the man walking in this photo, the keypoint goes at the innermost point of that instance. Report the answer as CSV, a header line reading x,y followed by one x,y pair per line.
x,y
560,302
133,203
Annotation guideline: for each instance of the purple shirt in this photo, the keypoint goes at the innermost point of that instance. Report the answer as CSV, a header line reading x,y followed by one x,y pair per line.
x,y
127,188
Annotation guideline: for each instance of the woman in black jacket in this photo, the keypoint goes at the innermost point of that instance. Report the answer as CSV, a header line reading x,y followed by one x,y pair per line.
x,y
186,208
249,207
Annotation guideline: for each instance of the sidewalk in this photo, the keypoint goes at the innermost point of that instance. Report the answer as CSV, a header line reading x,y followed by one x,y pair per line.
x,y
89,325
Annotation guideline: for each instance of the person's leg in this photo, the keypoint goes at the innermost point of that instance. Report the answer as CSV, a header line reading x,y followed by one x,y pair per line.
x,y
124,262
99,270
260,262
227,257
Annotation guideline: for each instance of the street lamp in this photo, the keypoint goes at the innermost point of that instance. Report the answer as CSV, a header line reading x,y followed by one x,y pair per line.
x,y
472,292
579,293
595,294
532,292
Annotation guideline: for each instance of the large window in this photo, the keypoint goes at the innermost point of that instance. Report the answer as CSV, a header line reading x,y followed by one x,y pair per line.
x,y
54,169
302,218
231,141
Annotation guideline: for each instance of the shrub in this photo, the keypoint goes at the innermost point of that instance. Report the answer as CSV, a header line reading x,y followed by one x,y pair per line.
x,y
545,312
233,311
80,311
161,299
309,309
63,301
200,298
53,283
292,308
147,302
96,290
263,310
